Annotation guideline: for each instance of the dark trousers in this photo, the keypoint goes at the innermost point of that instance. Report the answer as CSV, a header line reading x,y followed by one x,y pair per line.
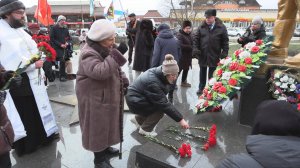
x,y
202,77
184,74
62,68
130,50
148,123
5,161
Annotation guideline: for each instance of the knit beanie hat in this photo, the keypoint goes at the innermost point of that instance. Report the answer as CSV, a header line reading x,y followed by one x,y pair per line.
x,y
101,29
61,17
186,23
169,65
257,20
163,27
277,118
7,6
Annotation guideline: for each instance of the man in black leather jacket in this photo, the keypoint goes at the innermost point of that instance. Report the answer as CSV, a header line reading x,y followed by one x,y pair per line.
x,y
146,97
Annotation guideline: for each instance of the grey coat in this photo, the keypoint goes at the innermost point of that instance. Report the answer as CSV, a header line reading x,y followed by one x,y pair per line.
x,y
165,43
99,90
266,151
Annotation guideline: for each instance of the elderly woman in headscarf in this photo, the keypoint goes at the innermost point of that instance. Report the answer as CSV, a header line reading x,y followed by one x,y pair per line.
x,y
100,86
254,32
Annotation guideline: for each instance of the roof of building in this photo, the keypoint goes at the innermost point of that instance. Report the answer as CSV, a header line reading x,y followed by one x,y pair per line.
x,y
68,10
213,2
152,14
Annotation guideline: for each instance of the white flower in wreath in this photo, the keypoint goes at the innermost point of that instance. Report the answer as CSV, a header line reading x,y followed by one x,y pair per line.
x,y
292,87
276,92
226,61
277,83
244,54
200,103
226,75
212,81
281,98
277,75
291,80
285,78
284,85
250,45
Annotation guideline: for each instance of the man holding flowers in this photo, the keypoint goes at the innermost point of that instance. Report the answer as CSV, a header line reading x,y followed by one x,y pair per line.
x,y
27,103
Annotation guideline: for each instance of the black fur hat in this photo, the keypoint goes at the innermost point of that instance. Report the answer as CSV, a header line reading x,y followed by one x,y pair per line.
x,y
146,24
186,23
210,12
7,6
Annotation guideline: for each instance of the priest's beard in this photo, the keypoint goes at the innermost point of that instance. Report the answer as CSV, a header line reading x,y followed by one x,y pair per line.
x,y
16,23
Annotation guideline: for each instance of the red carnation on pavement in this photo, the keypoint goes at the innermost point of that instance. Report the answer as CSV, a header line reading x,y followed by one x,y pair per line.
x,y
258,42
248,60
255,49
232,82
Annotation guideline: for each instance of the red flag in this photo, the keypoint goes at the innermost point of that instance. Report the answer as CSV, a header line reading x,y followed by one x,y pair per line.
x,y
43,13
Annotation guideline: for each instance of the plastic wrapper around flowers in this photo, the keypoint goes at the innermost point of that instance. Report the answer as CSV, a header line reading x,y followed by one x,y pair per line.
x,y
285,85
233,73
206,141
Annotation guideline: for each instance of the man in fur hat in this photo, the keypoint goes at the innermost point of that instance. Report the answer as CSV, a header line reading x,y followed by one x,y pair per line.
x,y
59,35
211,42
27,103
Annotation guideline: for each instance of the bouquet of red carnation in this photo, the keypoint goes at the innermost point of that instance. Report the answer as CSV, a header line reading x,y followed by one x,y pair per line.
x,y
47,50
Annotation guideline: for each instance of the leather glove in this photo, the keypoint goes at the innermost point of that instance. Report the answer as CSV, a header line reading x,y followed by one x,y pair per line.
x,y
122,48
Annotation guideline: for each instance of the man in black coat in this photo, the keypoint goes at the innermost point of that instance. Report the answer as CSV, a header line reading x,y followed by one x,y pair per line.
x,y
275,139
254,32
131,30
211,42
146,97
59,35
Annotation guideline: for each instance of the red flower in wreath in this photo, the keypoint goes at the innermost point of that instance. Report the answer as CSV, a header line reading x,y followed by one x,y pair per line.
x,y
220,72
298,106
205,104
237,53
209,96
222,89
217,85
242,68
255,49
258,42
233,66
232,82
248,60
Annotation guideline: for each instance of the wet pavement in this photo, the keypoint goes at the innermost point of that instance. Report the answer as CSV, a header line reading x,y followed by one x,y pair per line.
x,y
69,153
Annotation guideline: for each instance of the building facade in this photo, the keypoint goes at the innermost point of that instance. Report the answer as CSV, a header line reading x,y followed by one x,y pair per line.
x,y
234,13
76,12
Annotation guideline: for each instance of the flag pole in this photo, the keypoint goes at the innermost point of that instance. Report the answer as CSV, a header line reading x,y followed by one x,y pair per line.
x,y
48,26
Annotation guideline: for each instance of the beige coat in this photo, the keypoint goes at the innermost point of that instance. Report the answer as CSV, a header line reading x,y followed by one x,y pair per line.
x,y
99,89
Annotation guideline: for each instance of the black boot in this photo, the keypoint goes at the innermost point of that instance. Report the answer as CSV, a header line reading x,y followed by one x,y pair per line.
x,y
101,161
111,151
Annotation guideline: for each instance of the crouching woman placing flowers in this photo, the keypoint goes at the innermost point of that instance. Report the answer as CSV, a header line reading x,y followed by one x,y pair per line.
x,y
100,86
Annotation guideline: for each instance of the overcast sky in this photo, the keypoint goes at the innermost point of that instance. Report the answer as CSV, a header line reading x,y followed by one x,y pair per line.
x,y
140,7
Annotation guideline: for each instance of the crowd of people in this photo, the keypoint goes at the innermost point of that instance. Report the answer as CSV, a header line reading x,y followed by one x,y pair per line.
x,y
101,85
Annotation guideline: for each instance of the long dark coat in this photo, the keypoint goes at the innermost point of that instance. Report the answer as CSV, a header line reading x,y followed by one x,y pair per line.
x,y
99,90
186,44
212,44
143,47
59,36
251,36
